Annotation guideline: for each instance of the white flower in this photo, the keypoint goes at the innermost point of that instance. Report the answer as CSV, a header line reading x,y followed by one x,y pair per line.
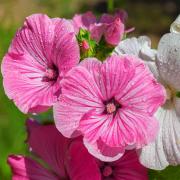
x,y
166,149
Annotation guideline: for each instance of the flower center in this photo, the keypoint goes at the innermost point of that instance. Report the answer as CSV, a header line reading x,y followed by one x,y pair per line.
x,y
51,74
107,171
111,106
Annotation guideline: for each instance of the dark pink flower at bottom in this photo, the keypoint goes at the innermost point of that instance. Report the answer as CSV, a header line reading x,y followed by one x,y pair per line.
x,y
67,159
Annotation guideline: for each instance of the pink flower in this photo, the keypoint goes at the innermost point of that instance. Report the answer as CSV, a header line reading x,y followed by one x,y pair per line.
x,y
42,51
68,159
112,27
111,104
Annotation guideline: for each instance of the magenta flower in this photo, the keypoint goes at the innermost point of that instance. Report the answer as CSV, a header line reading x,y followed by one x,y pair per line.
x,y
111,104
111,27
66,159
42,51
126,168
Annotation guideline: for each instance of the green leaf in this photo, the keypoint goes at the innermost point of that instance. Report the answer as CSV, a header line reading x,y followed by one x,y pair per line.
x,y
178,94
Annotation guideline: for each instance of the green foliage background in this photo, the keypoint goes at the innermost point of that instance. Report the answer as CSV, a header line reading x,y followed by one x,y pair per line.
x,y
151,18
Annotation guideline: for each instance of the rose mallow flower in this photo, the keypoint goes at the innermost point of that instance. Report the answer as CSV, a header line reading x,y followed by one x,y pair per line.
x,y
42,51
110,26
111,104
68,159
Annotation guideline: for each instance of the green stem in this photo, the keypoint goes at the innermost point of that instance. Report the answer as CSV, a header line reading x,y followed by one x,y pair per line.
x,y
110,6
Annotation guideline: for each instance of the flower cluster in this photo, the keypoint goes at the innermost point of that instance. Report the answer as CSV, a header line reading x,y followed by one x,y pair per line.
x,y
115,100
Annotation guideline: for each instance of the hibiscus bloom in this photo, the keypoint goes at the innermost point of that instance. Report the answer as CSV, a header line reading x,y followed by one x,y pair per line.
x,y
111,104
111,27
42,51
68,159
166,149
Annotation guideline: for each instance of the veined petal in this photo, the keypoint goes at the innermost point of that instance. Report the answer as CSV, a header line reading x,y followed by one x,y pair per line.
x,y
143,93
23,84
27,169
49,144
65,52
166,149
80,94
144,128
168,59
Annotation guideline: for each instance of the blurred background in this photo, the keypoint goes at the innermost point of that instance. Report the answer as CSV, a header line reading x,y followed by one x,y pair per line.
x,y
150,17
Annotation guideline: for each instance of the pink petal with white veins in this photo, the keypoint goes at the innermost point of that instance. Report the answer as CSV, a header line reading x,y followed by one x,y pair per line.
x,y
143,93
80,94
23,84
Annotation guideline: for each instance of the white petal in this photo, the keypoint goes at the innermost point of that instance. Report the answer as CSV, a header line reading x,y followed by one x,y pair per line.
x,y
166,149
175,26
177,105
153,68
140,47
168,59
148,54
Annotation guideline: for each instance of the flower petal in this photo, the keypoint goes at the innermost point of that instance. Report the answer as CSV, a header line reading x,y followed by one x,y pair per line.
x,y
65,52
23,84
80,94
48,144
168,61
83,20
80,164
114,32
166,149
175,26
137,128
129,167
143,93
177,105
103,152
27,169
139,47
97,30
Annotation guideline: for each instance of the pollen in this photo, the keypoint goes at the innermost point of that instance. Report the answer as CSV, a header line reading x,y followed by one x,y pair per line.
x,y
111,108
51,74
